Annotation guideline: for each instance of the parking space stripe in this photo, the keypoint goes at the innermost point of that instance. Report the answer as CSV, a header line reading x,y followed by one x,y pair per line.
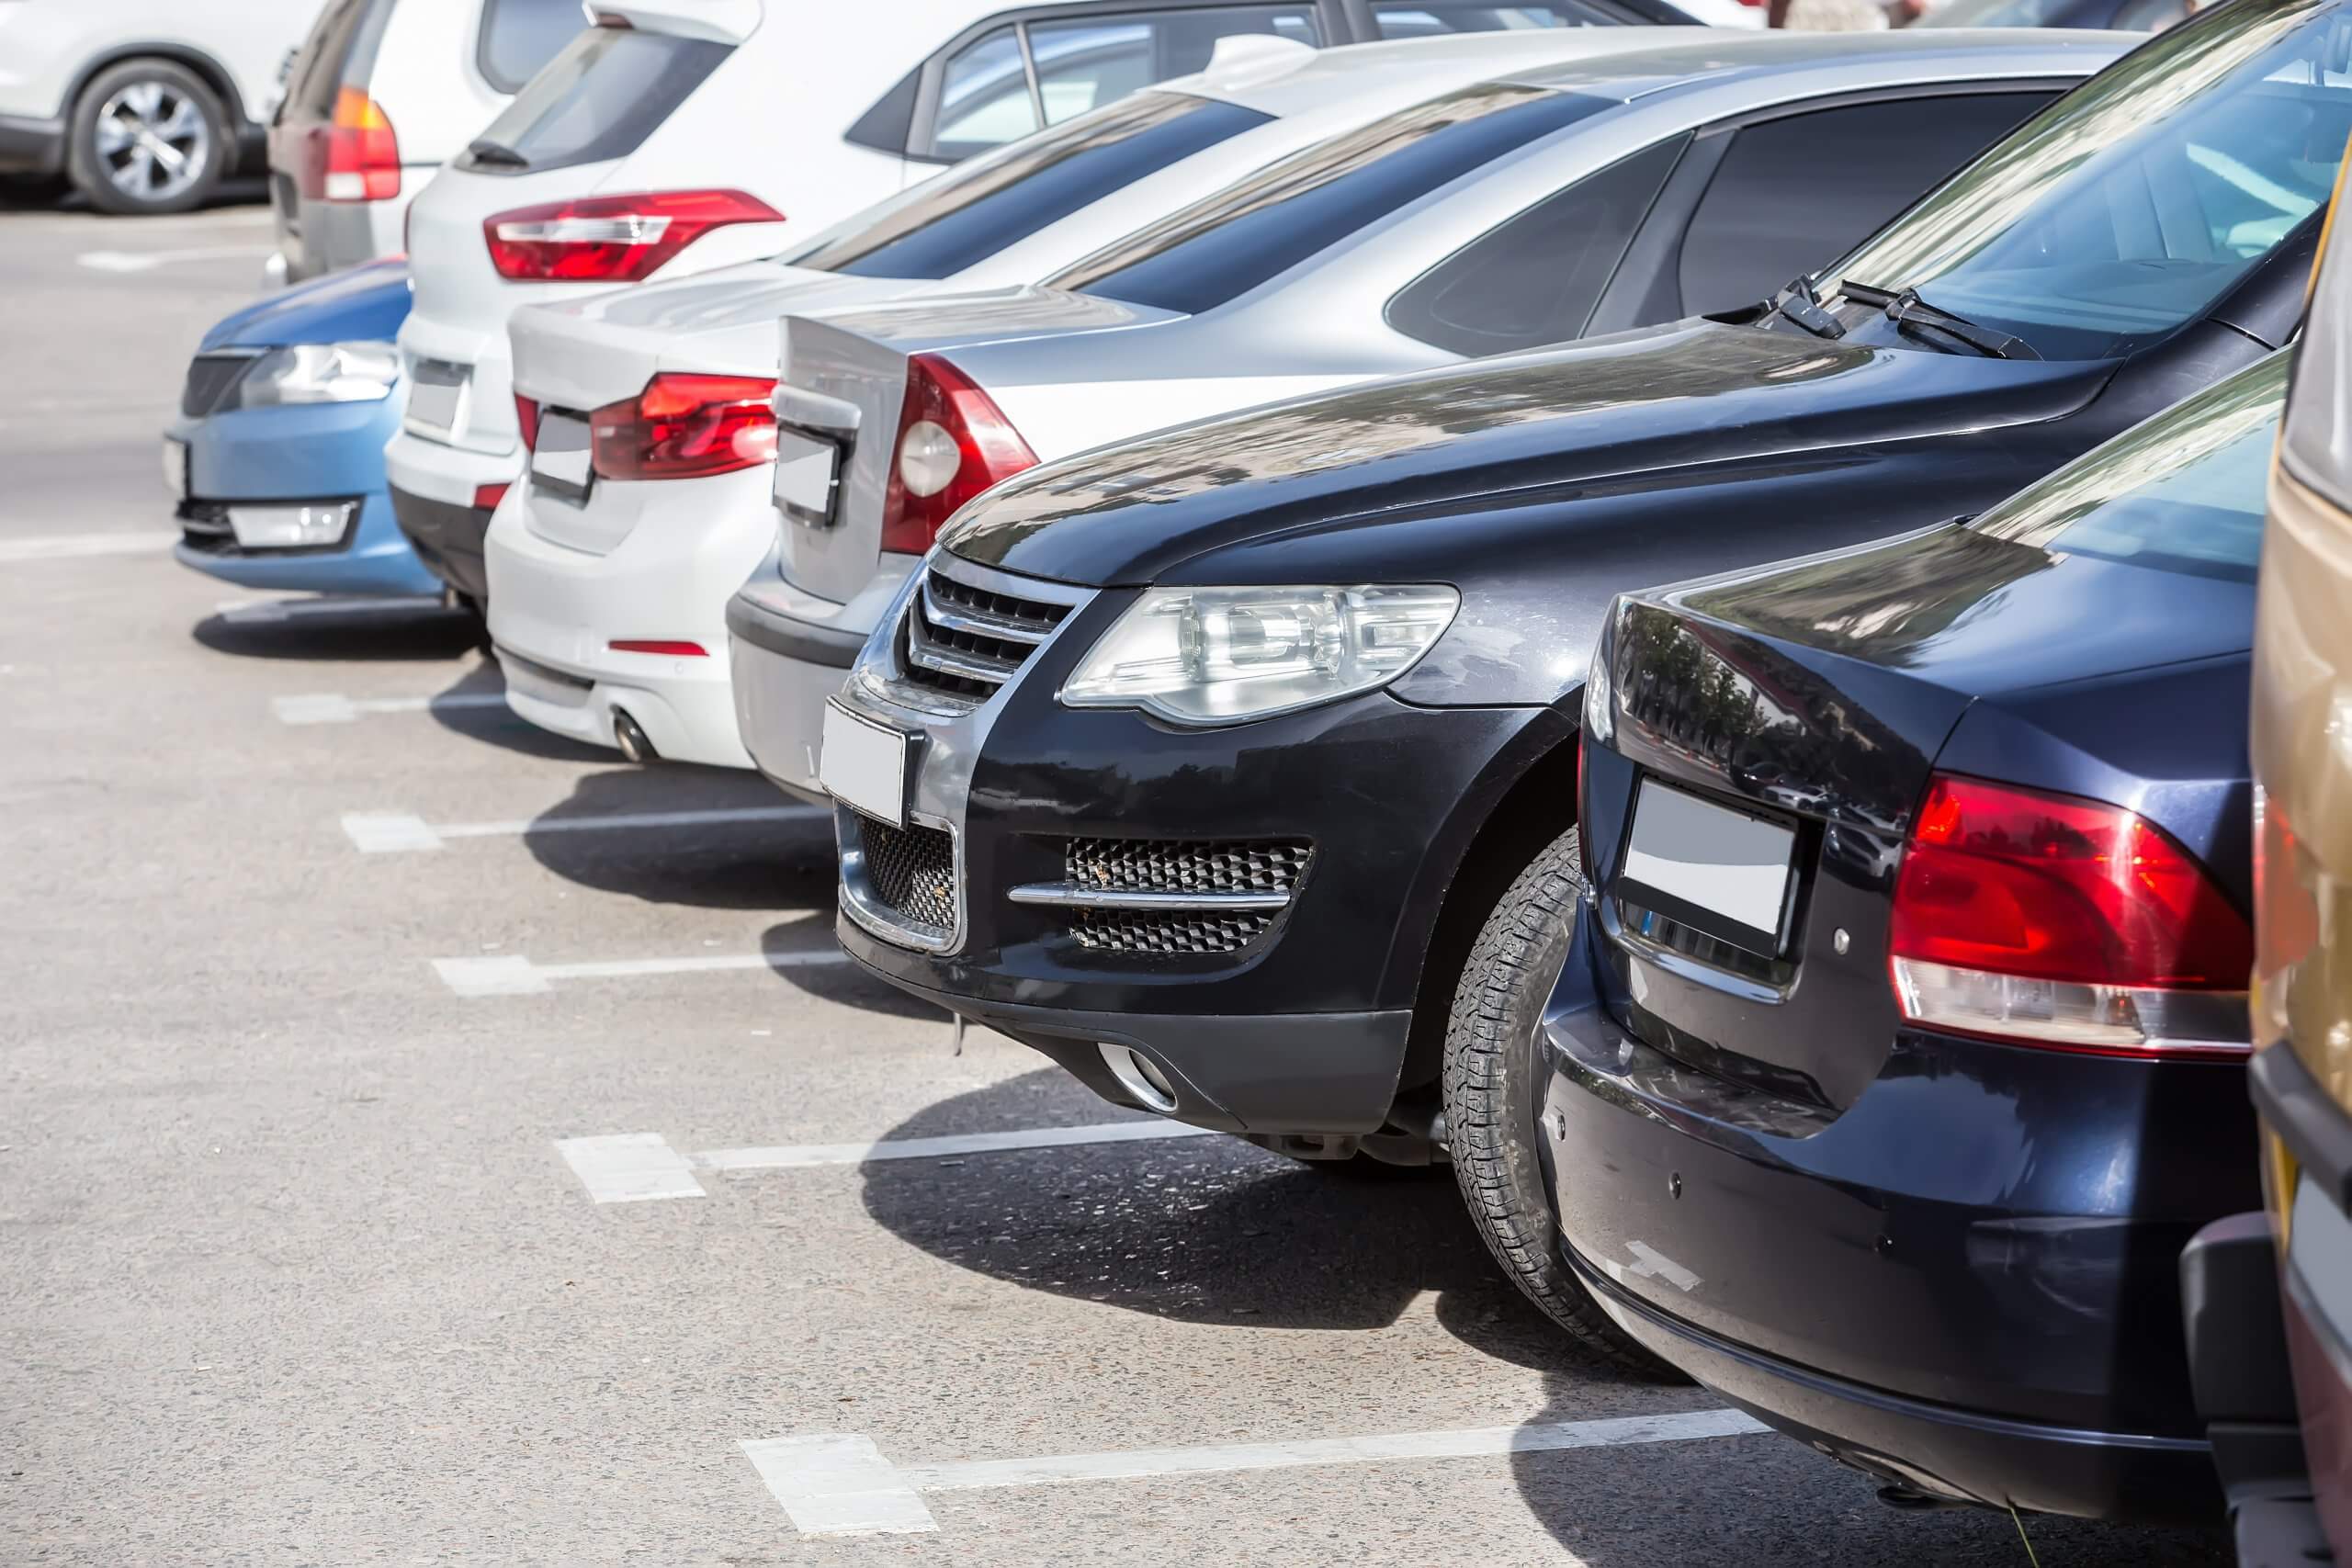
x,y
397,832
828,1487
628,1168
334,707
512,975
252,611
75,546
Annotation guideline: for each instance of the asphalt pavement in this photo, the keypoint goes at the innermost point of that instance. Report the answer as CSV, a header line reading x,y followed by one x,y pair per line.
x,y
425,1140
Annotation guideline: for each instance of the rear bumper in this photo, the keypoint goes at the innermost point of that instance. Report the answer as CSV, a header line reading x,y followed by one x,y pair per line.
x,y
790,652
31,146
448,538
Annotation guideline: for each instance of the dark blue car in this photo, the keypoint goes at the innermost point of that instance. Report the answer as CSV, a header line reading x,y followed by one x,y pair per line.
x,y
277,459
1901,1044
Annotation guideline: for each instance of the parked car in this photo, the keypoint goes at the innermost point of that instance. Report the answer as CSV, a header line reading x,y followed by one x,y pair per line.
x,y
627,161
1258,722
2268,1294
611,564
277,459
382,95
145,105
1552,204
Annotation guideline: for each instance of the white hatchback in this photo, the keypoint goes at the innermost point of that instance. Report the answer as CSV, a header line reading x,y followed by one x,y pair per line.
x,y
647,501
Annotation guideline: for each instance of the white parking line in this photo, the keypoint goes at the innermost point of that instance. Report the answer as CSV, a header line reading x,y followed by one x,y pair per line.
x,y
837,1483
394,832
148,261
510,975
74,547
627,1167
334,707
251,612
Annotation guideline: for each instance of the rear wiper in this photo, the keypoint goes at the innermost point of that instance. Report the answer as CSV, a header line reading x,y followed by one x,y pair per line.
x,y
1911,314
1800,304
482,149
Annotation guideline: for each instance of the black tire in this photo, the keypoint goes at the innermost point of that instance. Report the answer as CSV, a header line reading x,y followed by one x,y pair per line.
x,y
121,170
1492,1098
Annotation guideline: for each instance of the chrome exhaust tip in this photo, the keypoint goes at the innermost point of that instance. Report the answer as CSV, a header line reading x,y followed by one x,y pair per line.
x,y
1140,1076
635,747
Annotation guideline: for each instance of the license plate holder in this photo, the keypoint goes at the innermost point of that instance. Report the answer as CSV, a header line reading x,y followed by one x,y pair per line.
x,y
176,466
864,765
1713,867
807,474
559,461
436,389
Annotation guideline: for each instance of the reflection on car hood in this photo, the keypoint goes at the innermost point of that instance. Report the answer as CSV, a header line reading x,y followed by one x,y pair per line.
x,y
1660,407
360,304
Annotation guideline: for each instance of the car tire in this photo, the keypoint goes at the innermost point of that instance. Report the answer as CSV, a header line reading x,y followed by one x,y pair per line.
x,y
1493,1094
130,124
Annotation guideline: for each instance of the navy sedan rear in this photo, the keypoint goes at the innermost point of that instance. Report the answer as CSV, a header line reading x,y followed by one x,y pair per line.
x,y
1903,1046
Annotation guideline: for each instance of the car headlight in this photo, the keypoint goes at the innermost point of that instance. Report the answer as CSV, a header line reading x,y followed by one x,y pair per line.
x,y
1208,656
319,373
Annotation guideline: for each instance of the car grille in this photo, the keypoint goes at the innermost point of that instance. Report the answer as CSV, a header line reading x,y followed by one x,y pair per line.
x,y
204,525
1124,930
1171,895
1166,865
210,378
910,871
968,640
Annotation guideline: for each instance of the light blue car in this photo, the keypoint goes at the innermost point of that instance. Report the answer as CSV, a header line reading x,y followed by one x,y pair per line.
x,y
277,454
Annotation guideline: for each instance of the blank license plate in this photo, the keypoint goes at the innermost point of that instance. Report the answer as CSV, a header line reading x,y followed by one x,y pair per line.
x,y
804,477
864,765
1711,860
433,393
559,461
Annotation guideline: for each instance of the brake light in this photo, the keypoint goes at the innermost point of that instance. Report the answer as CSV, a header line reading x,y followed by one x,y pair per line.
x,y
354,156
659,645
612,239
954,442
526,416
486,497
684,426
2054,920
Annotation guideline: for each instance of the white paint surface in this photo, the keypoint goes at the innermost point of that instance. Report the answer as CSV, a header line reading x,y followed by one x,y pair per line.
x,y
148,261
508,975
629,1167
829,1486
391,832
791,1157
334,707
75,546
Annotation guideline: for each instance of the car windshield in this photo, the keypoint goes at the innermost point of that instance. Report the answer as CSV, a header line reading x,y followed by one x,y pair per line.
x,y
2126,207
2182,491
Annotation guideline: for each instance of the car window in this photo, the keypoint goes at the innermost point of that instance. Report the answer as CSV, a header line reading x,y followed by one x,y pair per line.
x,y
1537,278
1425,19
339,52
2182,491
971,212
520,36
1084,63
1742,243
1999,13
599,98
984,97
2130,205
1226,244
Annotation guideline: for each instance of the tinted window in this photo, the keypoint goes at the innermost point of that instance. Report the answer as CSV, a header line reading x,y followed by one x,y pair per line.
x,y
2182,491
1085,63
520,36
984,97
2131,204
975,210
1204,255
599,98
340,52
1792,192
1536,279
2002,14
1406,18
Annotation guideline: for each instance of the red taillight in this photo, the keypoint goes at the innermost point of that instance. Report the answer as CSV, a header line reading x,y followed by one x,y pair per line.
x,y
353,157
486,497
684,426
613,239
659,645
2061,921
526,416
2286,916
954,442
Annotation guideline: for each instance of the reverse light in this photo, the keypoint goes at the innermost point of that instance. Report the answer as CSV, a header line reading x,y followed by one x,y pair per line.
x,y
354,156
2053,920
684,426
954,442
612,239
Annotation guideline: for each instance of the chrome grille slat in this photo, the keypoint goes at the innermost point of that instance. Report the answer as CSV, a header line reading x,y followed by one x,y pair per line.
x,y
970,666
954,618
970,638
1171,895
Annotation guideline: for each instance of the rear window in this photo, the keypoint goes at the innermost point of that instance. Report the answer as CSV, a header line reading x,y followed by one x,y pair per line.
x,y
975,210
1222,247
598,100
2182,491
1427,18
341,50
520,36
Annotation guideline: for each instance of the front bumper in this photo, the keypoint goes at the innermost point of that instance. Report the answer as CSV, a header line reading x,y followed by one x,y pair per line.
x,y
1294,1021
31,146
1965,1283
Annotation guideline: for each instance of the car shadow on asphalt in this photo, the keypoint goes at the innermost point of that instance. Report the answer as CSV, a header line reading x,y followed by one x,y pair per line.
x,y
427,632
843,984
466,707
758,864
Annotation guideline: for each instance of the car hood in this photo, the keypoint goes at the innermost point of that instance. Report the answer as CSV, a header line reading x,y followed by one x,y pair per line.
x,y
1679,404
365,303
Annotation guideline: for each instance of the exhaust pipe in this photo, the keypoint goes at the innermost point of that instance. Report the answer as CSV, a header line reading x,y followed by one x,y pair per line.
x,y
1140,1076
635,747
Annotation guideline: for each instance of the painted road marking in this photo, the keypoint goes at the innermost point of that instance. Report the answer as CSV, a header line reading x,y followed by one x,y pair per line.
x,y
510,975
627,1167
840,1484
75,546
148,261
253,612
395,833
334,707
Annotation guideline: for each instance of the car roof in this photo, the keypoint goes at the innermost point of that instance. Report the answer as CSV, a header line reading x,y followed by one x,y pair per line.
x,y
1673,60
1307,79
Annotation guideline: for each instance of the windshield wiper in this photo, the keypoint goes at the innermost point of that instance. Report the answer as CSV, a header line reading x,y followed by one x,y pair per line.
x,y
482,149
1912,314
1800,304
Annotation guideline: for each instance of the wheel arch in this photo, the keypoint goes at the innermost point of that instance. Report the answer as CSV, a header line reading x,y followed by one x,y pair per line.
x,y
214,74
